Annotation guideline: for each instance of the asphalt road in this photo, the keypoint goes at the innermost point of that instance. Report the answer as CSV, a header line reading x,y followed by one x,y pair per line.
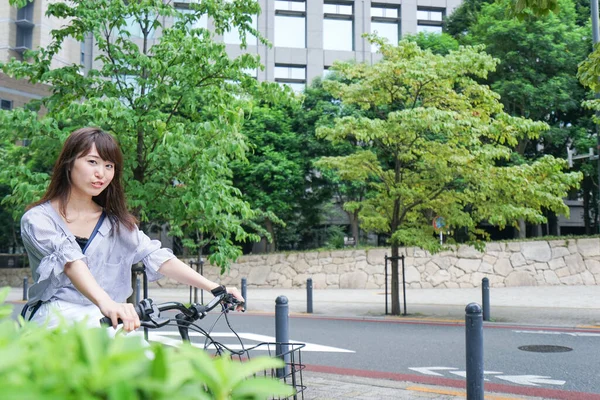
x,y
438,349
426,349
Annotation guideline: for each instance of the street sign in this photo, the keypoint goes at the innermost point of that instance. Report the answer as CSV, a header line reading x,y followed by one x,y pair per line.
x,y
439,223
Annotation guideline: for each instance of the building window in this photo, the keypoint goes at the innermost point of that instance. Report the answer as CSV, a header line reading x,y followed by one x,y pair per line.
x,y
430,19
6,104
135,25
24,39
338,26
253,72
185,13
25,26
82,53
25,13
130,87
293,76
385,22
233,36
290,24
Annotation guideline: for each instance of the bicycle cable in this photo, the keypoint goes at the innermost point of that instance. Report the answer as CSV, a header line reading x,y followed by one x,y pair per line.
x,y
219,347
235,333
225,312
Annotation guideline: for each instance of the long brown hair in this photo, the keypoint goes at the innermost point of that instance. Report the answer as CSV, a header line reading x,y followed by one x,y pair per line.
x,y
112,199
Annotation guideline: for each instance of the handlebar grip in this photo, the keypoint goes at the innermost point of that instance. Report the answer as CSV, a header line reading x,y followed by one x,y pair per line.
x,y
108,321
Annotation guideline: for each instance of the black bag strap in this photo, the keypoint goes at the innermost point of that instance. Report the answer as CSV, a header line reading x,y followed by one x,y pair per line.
x,y
33,307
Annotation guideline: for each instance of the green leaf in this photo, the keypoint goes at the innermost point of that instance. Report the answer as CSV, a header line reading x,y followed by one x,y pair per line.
x,y
261,388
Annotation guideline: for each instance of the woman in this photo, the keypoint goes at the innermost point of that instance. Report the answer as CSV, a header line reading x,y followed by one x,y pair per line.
x,y
82,241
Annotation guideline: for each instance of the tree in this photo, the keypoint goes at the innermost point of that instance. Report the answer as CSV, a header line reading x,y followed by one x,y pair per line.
x,y
168,92
438,43
320,108
589,72
536,76
279,177
463,17
274,177
522,8
437,144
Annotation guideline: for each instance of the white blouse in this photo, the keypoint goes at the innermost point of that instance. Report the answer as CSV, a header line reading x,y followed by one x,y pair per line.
x,y
109,256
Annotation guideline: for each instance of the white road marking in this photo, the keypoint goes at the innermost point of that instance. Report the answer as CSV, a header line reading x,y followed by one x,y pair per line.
x,y
429,370
464,373
163,337
577,334
531,380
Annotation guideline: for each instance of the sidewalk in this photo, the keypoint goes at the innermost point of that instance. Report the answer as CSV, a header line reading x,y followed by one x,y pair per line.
x,y
343,387
566,306
563,306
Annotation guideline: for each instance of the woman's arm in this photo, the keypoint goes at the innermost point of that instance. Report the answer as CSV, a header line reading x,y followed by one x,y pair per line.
x,y
83,280
181,272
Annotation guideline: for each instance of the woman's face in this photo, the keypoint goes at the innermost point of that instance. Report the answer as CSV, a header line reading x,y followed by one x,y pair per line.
x,y
91,174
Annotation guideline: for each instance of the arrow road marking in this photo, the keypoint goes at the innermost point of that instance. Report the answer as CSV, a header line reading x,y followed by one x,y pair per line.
x,y
464,373
429,370
531,380
162,337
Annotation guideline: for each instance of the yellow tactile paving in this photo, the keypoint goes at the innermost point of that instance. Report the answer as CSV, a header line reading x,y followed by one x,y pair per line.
x,y
458,393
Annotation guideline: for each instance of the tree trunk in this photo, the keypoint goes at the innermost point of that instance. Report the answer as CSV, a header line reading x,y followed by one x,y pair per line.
x,y
270,246
521,232
395,224
353,217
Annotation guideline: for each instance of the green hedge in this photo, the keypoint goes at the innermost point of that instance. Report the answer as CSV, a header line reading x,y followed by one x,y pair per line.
x,y
79,363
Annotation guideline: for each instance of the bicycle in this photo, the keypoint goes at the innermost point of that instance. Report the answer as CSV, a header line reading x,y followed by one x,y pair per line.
x,y
151,318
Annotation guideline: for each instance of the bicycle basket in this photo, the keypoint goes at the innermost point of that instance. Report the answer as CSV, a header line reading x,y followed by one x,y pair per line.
x,y
291,373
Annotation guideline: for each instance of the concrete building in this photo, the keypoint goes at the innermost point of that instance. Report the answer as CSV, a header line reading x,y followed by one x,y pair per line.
x,y
29,28
307,37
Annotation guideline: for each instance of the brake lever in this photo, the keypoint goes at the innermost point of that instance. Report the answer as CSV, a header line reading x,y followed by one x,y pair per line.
x,y
231,303
154,323
150,317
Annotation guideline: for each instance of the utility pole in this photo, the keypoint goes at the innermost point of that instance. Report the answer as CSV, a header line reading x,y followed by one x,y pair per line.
x,y
596,38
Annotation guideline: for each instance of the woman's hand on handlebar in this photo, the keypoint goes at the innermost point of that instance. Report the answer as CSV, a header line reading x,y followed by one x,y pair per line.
x,y
121,311
236,293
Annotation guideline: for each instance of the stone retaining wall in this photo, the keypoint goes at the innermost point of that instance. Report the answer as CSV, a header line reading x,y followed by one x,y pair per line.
x,y
539,263
14,276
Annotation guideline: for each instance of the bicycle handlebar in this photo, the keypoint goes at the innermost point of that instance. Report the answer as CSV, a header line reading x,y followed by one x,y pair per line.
x,y
149,313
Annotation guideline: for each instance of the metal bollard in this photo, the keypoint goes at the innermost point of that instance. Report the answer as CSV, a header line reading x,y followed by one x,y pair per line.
x,y
485,298
282,334
244,293
474,351
137,290
25,287
309,296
